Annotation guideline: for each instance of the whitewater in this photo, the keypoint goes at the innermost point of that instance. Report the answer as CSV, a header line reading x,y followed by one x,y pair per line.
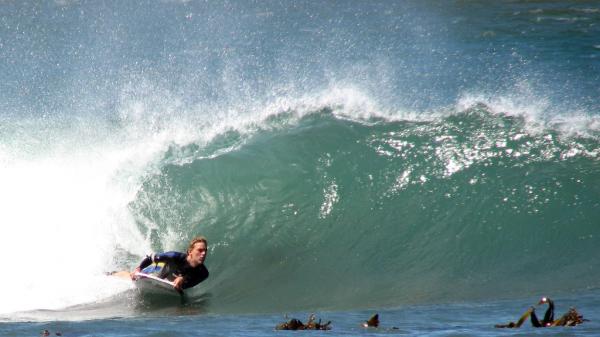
x,y
415,158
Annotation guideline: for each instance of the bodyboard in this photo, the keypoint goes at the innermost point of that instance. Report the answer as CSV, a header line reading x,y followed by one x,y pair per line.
x,y
151,284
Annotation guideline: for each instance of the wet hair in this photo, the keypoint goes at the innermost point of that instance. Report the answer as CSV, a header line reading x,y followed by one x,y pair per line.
x,y
195,241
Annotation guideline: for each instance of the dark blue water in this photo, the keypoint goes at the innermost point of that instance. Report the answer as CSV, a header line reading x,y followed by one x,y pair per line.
x,y
436,162
457,319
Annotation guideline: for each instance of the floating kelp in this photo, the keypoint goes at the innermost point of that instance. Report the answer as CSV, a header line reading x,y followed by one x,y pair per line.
x,y
296,324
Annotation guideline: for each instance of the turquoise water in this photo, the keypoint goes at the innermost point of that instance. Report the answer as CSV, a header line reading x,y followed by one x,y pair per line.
x,y
433,162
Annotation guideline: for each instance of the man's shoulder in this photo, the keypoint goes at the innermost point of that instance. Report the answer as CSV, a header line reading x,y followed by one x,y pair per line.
x,y
201,270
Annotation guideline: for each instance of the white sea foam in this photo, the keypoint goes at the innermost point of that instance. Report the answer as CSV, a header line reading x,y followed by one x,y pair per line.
x,y
65,207
538,113
59,216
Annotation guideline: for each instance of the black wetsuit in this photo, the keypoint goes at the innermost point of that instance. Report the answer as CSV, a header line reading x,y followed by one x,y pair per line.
x,y
175,264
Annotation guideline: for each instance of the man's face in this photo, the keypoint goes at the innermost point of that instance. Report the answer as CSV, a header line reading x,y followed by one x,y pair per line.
x,y
197,254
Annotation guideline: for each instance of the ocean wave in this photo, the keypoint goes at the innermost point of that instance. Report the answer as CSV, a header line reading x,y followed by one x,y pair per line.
x,y
338,211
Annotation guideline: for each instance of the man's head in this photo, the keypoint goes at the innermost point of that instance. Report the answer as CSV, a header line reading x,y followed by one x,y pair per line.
x,y
196,252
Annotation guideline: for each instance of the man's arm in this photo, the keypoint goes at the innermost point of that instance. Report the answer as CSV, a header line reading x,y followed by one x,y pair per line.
x,y
156,258
145,263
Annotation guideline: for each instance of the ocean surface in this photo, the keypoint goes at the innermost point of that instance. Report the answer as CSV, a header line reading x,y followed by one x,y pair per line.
x,y
436,162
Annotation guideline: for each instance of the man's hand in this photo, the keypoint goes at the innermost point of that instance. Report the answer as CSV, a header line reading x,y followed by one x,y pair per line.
x,y
178,282
136,270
